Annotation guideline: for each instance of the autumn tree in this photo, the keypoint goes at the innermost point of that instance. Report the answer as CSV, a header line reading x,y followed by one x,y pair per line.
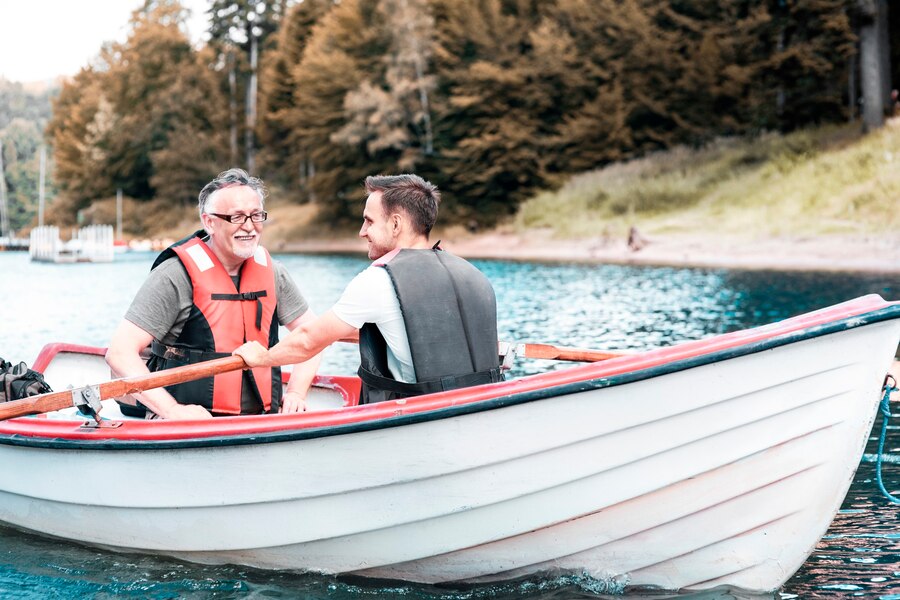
x,y
196,141
83,121
145,119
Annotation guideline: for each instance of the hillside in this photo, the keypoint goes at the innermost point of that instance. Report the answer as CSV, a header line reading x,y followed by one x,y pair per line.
x,y
818,182
826,198
822,199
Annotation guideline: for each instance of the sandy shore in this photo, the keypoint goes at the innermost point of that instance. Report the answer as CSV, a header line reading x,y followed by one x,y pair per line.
x,y
867,254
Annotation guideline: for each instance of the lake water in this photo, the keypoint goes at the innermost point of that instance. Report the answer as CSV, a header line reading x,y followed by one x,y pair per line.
x,y
599,306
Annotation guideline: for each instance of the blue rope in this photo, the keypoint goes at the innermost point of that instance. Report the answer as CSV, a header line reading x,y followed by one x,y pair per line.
x,y
886,414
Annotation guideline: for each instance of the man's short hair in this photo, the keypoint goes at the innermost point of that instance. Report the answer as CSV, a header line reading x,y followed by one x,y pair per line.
x,y
416,197
230,178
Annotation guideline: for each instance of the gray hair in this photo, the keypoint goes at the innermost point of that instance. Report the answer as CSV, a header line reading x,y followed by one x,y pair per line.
x,y
418,198
230,178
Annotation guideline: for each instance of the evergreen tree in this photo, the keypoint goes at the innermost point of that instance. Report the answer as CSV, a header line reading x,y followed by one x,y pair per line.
x,y
591,128
236,22
693,84
491,107
17,103
806,45
278,156
21,164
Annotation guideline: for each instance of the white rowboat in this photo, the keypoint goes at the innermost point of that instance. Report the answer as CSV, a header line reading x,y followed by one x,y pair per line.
x,y
718,462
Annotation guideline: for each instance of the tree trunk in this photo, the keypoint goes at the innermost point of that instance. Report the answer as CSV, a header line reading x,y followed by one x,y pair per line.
x,y
251,107
232,107
852,98
885,45
4,218
42,175
870,66
870,63
779,91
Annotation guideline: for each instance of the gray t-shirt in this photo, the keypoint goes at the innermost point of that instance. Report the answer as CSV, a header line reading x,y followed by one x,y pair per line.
x,y
163,304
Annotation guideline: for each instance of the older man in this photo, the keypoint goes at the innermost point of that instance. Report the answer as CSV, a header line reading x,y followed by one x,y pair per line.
x,y
427,320
205,296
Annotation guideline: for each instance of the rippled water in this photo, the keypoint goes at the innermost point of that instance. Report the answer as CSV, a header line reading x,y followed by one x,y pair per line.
x,y
613,307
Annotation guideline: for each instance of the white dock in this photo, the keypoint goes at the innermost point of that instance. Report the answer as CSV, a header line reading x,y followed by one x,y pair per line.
x,y
9,243
93,243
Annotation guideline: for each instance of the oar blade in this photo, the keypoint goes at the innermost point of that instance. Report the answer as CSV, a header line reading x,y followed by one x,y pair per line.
x,y
34,405
550,352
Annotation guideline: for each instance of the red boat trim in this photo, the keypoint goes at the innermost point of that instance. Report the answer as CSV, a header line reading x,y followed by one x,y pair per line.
x,y
50,350
274,428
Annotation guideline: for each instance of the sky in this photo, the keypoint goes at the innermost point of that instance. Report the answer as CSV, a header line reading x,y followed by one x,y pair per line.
x,y
44,39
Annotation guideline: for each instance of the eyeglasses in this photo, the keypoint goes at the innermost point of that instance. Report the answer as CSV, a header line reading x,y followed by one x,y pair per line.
x,y
258,217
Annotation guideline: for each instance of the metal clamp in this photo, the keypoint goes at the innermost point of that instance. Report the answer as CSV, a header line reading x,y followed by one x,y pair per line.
x,y
508,352
87,401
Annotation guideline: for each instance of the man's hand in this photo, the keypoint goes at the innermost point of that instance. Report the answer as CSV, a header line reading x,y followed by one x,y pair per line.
x,y
293,402
186,411
253,353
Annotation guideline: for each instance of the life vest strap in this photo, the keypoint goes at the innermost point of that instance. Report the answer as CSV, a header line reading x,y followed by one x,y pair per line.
x,y
188,355
246,296
443,384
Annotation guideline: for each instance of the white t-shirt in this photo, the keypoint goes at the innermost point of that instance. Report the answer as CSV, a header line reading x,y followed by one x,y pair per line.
x,y
371,298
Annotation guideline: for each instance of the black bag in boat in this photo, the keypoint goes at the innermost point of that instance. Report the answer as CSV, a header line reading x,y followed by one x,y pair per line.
x,y
18,381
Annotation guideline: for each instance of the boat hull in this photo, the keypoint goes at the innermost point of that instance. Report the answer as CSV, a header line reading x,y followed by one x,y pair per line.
x,y
710,471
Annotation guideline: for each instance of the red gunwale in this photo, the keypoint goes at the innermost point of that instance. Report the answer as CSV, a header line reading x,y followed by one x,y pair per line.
x,y
248,425
50,350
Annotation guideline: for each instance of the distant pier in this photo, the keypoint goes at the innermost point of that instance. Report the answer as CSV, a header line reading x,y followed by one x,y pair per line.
x,y
93,243
13,244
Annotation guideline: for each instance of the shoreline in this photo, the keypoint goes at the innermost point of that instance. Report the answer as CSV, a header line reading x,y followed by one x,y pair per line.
x,y
870,254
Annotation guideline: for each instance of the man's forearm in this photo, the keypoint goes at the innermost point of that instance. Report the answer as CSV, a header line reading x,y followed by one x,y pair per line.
x,y
296,348
125,365
303,374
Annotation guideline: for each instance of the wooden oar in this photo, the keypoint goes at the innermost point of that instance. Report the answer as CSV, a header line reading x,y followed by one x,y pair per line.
x,y
545,351
93,394
549,352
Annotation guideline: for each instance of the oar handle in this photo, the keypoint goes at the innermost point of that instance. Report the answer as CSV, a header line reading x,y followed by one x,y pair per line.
x,y
119,387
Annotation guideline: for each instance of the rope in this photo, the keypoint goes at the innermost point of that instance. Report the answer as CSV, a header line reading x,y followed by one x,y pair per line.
x,y
886,414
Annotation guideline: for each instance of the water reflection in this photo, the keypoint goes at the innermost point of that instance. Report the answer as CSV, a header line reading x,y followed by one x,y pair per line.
x,y
40,568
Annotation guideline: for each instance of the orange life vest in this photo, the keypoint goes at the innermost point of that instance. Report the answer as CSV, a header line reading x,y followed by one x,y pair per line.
x,y
224,317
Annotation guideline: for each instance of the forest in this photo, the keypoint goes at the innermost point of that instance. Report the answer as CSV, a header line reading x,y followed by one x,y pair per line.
x,y
492,100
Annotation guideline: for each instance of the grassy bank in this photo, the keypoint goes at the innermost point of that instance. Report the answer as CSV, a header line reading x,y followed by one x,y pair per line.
x,y
809,183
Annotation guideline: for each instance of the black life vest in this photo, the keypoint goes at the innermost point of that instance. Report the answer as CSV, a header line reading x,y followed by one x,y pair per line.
x,y
222,318
450,315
